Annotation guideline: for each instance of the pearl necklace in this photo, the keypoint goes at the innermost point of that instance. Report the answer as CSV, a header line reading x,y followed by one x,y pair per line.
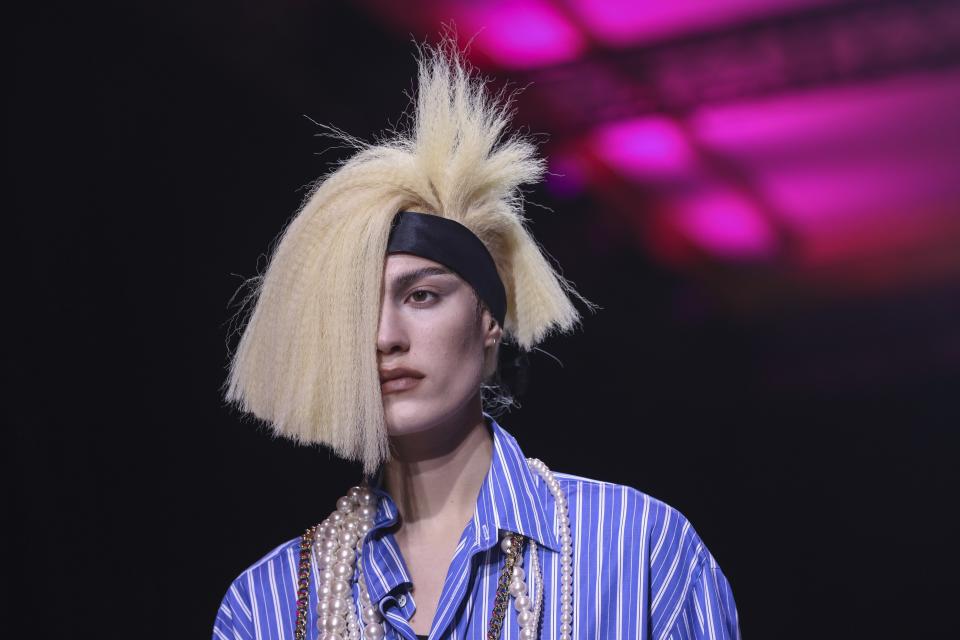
x,y
337,542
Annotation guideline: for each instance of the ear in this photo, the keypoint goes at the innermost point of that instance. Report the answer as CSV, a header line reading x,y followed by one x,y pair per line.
x,y
493,332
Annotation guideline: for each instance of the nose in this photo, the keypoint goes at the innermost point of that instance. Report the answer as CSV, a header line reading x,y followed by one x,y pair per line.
x,y
391,334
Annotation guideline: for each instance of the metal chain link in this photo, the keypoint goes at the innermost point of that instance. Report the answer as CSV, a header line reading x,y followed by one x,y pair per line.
x,y
303,582
502,600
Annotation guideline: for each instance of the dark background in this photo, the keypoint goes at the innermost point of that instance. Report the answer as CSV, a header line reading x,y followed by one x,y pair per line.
x,y
154,155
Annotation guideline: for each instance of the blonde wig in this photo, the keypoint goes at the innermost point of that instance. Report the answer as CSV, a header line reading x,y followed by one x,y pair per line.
x,y
307,362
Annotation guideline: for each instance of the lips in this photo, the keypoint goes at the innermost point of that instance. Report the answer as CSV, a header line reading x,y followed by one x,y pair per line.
x,y
397,379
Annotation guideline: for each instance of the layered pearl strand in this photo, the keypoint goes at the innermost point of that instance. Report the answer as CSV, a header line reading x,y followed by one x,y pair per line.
x,y
338,541
566,552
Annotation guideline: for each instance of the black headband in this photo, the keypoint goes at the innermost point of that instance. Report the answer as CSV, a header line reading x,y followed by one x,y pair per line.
x,y
455,247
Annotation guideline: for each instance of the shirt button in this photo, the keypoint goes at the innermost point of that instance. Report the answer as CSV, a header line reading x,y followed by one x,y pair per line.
x,y
402,601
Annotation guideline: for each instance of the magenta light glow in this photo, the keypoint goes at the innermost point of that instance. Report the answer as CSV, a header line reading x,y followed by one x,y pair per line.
x,y
850,171
621,22
816,199
521,34
648,149
725,225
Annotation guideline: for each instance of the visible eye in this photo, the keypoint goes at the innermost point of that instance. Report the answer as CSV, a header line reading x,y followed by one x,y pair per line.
x,y
422,296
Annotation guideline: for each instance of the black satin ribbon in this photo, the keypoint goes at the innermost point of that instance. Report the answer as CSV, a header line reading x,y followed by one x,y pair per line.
x,y
455,247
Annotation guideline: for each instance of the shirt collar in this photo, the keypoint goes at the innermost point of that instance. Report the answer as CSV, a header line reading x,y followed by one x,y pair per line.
x,y
382,565
512,498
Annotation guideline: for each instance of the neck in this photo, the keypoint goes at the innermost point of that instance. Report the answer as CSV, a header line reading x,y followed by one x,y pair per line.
x,y
434,476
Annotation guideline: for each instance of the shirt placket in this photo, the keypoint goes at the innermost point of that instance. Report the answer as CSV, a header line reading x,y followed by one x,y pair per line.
x,y
397,611
458,581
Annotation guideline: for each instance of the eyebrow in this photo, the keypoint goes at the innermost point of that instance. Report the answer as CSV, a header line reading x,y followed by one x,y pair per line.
x,y
404,280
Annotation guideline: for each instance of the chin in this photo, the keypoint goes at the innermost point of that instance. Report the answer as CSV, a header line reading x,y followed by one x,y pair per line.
x,y
423,409
407,416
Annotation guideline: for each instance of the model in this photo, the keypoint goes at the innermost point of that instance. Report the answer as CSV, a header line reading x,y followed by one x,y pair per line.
x,y
374,331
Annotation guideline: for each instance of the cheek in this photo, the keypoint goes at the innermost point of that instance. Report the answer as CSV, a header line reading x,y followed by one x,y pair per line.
x,y
453,352
453,375
448,348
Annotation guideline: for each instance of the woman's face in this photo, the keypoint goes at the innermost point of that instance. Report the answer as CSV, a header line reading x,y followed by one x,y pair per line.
x,y
433,348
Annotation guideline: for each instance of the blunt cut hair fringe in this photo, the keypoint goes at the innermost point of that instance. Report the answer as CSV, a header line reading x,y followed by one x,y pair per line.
x,y
307,362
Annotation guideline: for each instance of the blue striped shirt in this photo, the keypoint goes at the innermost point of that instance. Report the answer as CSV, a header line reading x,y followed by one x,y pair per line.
x,y
641,570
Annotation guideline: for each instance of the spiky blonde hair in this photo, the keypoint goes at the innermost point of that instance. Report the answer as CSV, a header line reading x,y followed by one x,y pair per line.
x,y
307,361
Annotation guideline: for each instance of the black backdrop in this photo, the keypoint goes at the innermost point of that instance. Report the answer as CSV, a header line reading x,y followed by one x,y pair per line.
x,y
154,155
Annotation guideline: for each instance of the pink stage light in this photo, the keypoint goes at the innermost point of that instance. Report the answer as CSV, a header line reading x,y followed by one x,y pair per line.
x,y
853,172
521,34
648,149
725,225
816,200
622,22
